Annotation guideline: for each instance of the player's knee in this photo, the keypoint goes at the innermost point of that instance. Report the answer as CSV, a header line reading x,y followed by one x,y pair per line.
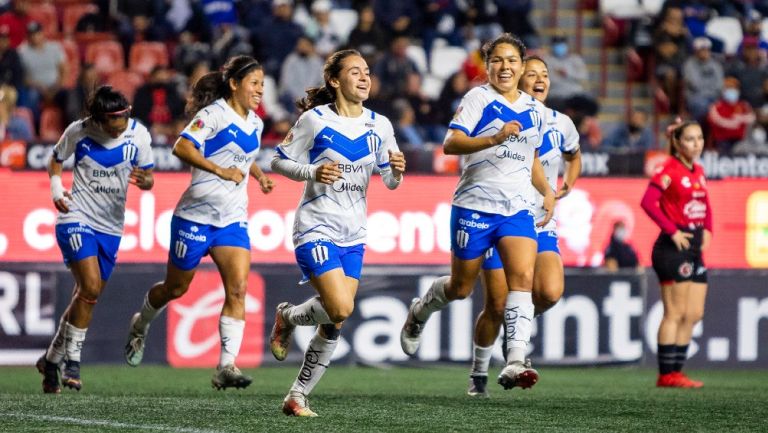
x,y
340,313
89,289
674,315
176,290
494,313
693,317
522,279
236,291
545,300
459,290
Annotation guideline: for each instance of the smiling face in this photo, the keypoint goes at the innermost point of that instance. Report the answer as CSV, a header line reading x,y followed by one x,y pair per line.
x,y
690,143
505,67
248,92
535,80
354,81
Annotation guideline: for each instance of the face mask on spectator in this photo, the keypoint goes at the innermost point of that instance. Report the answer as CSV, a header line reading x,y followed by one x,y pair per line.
x,y
560,49
731,95
634,129
758,135
620,234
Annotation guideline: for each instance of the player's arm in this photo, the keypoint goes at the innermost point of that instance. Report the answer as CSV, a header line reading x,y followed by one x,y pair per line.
x,y
185,150
572,172
265,182
58,192
142,178
457,142
539,181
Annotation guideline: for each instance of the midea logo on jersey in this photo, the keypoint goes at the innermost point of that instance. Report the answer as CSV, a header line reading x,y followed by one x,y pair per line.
x,y
320,254
129,151
192,236
505,152
180,249
76,242
341,186
462,238
99,188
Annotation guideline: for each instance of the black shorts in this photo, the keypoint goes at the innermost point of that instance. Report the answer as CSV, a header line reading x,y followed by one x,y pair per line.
x,y
676,266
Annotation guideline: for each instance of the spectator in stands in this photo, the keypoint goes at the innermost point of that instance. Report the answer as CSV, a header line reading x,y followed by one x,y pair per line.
x,y
450,98
394,68
481,18
75,99
441,19
729,117
753,26
327,39
302,69
407,132
423,110
17,21
671,44
633,136
11,71
750,70
619,254
159,106
568,74
12,126
45,68
703,77
189,52
398,17
514,17
276,37
367,37
232,40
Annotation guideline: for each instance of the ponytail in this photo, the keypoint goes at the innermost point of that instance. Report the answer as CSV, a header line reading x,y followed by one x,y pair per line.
x,y
315,96
207,89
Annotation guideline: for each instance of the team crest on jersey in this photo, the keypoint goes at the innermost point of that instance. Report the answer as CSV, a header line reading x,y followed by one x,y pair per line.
x,y
180,249
373,141
685,270
129,151
76,242
462,238
289,137
666,181
556,138
535,118
197,125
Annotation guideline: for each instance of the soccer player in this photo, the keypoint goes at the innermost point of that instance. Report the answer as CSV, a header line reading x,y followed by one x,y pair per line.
x,y
677,201
561,143
333,148
498,130
111,150
220,143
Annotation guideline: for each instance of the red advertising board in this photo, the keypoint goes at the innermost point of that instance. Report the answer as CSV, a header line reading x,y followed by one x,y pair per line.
x,y
406,226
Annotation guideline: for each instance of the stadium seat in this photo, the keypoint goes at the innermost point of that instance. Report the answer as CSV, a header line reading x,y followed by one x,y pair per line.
x,y
431,86
45,14
764,29
105,56
343,20
126,81
72,14
72,54
728,30
446,60
621,8
144,56
418,56
51,124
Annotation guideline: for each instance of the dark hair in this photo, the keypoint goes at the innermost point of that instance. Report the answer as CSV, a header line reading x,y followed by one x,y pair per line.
x,y
326,93
538,58
504,38
106,102
678,132
215,85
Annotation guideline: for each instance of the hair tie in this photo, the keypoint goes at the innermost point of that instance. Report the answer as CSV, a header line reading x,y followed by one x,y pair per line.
x,y
119,112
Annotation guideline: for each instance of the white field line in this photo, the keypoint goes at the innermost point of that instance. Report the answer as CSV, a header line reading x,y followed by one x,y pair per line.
x,y
109,424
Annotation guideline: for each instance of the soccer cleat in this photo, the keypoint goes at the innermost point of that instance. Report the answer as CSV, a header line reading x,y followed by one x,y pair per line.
x,y
50,372
410,335
478,386
296,404
518,374
134,347
677,379
230,376
690,383
282,331
70,375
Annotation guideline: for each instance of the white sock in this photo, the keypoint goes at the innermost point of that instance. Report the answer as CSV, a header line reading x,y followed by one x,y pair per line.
x,y
432,301
480,360
231,332
147,315
316,360
518,319
75,337
57,348
310,313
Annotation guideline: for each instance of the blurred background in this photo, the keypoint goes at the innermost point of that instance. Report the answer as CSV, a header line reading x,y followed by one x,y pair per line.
x,y
621,69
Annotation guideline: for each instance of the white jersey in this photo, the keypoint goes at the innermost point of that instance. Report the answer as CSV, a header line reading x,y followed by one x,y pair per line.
x,y
498,179
338,212
227,140
560,136
101,172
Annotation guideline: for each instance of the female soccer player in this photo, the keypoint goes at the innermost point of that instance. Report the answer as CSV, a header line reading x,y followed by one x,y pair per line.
x,y
498,129
333,148
111,150
677,200
220,143
561,142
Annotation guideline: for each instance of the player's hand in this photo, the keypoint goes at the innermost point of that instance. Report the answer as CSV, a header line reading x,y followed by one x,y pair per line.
x,y
328,173
564,190
512,128
706,239
266,184
232,173
141,178
672,126
549,208
397,162
681,240
59,194
61,204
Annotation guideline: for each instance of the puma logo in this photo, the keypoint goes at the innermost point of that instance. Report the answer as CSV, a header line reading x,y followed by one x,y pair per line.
x,y
497,108
328,138
233,132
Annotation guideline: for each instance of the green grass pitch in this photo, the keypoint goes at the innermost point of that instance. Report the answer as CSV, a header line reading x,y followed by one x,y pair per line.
x,y
357,399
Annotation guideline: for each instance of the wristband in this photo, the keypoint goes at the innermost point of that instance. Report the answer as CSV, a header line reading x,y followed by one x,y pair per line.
x,y
57,188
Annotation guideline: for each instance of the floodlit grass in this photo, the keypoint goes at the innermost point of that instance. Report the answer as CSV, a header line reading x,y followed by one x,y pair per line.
x,y
357,399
